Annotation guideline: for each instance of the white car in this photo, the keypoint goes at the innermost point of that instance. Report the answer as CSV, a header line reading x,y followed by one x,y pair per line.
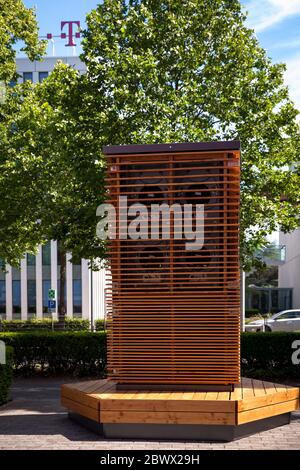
x,y
287,320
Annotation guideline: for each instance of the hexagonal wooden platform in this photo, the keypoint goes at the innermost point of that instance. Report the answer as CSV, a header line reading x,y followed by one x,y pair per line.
x,y
253,406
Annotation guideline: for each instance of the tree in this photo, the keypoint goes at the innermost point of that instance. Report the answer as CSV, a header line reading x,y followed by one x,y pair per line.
x,y
188,70
266,276
17,23
51,181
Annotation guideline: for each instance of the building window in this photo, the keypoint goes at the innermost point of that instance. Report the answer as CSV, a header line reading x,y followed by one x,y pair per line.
x,y
31,296
31,286
12,83
27,76
2,298
77,290
46,287
46,273
16,299
16,293
77,297
46,254
42,76
31,259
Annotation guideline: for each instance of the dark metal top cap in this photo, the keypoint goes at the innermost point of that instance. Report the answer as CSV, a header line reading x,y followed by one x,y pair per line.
x,y
174,147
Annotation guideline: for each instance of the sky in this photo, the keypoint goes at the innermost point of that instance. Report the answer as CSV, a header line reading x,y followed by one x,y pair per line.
x,y
50,13
276,24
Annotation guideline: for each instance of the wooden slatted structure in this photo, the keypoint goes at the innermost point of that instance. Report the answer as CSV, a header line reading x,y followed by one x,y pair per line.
x,y
174,313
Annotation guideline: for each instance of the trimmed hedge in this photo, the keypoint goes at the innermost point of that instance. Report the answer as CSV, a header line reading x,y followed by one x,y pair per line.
x,y
264,355
269,355
72,324
6,374
47,352
99,325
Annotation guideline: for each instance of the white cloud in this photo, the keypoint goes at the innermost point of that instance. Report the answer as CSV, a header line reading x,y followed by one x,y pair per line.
x,y
265,13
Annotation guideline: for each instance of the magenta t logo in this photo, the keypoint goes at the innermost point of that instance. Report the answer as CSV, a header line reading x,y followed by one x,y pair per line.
x,y
70,33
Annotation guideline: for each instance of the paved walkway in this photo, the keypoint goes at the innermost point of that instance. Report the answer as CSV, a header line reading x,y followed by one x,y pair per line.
x,y
35,420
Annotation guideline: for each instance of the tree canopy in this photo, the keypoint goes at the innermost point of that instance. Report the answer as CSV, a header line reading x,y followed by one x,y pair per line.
x,y
189,70
17,23
52,180
157,71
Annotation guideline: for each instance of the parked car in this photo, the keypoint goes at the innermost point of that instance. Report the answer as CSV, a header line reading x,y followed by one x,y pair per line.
x,y
287,320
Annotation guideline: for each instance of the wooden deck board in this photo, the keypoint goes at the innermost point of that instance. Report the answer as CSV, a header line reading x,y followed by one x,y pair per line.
x,y
75,395
269,387
237,393
267,411
162,417
251,400
259,389
167,405
247,388
81,409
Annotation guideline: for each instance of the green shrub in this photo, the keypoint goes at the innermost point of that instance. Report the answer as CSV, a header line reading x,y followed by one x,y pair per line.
x,y
6,374
269,355
73,324
77,324
99,325
65,352
251,312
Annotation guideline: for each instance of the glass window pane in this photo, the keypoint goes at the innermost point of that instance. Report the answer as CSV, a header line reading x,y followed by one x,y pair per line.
x,y
46,254
77,290
31,261
77,296
16,274
31,296
76,271
16,297
46,287
286,316
27,76
2,270
2,297
42,76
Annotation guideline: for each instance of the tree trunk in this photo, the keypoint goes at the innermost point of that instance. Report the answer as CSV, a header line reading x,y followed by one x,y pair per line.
x,y
62,283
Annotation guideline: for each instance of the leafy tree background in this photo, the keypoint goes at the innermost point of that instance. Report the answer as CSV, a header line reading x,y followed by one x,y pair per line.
x,y
188,70
17,23
52,181
158,71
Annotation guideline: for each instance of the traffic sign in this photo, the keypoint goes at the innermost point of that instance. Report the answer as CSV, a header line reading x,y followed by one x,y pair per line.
x,y
51,294
51,304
